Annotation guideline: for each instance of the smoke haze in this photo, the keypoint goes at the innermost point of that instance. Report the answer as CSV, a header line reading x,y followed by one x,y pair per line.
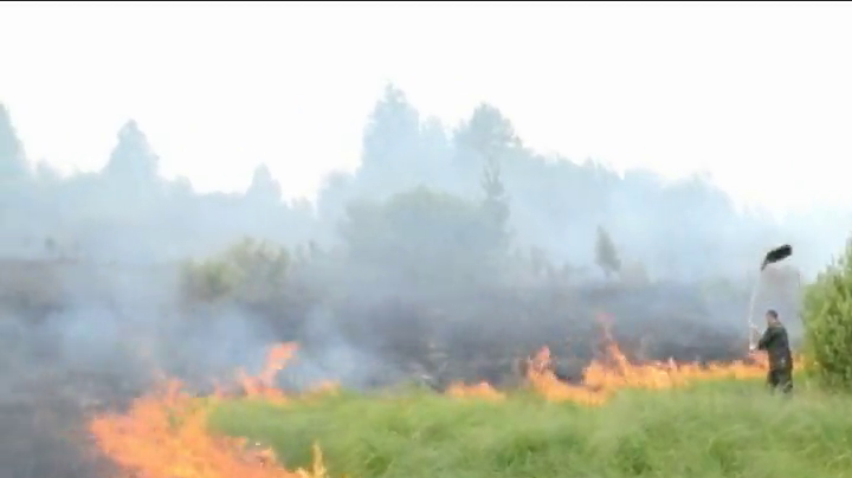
x,y
448,254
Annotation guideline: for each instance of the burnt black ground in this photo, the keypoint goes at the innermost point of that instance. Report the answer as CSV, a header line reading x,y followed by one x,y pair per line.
x,y
44,410
44,435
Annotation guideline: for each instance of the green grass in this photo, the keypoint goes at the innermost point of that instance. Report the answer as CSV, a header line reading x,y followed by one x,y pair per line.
x,y
715,430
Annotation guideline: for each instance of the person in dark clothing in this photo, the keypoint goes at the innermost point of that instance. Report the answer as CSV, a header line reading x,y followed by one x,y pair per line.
x,y
777,346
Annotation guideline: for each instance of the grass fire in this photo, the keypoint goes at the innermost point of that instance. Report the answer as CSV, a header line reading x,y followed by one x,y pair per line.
x,y
454,304
623,419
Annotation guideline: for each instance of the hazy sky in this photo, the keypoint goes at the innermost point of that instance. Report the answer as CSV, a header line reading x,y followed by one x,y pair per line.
x,y
732,89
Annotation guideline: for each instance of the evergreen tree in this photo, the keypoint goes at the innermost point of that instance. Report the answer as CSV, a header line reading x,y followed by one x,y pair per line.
x,y
606,256
827,316
13,163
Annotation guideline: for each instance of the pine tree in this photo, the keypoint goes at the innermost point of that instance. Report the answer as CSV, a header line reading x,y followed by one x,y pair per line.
x,y
606,256
13,163
133,161
495,206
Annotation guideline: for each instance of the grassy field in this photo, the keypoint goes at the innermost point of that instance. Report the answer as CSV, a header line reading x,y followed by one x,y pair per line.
x,y
725,429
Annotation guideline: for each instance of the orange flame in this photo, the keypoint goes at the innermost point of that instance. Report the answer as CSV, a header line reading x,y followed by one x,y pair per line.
x,y
481,390
264,384
601,381
164,435
603,378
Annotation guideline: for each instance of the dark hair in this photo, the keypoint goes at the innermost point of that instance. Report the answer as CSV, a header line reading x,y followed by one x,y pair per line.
x,y
772,313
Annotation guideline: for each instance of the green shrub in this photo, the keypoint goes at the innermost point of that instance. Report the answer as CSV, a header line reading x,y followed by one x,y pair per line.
x,y
249,271
828,324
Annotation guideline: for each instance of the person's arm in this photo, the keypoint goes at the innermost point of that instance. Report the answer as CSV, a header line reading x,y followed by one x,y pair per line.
x,y
766,339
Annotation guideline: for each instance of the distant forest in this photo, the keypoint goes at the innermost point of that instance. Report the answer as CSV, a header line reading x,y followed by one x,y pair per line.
x,y
556,208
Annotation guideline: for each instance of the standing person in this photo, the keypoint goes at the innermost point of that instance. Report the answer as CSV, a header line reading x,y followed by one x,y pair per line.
x,y
777,346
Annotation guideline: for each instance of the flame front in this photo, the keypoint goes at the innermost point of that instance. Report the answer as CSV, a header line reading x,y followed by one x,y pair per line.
x,y
148,440
601,379
164,434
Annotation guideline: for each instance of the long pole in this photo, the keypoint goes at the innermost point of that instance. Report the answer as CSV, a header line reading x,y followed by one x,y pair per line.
x,y
750,320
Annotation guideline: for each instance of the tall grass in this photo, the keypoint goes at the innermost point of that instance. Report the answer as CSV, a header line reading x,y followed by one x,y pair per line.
x,y
714,430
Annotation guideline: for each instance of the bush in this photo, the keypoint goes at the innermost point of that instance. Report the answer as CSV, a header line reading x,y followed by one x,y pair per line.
x,y
828,324
249,271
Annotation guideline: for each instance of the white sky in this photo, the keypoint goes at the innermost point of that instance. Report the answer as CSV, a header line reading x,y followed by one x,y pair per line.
x,y
727,88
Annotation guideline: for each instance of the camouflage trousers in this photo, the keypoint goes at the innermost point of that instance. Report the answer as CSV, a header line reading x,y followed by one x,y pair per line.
x,y
780,379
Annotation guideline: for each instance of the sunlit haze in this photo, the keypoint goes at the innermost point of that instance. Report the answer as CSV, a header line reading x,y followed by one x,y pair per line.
x,y
757,95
